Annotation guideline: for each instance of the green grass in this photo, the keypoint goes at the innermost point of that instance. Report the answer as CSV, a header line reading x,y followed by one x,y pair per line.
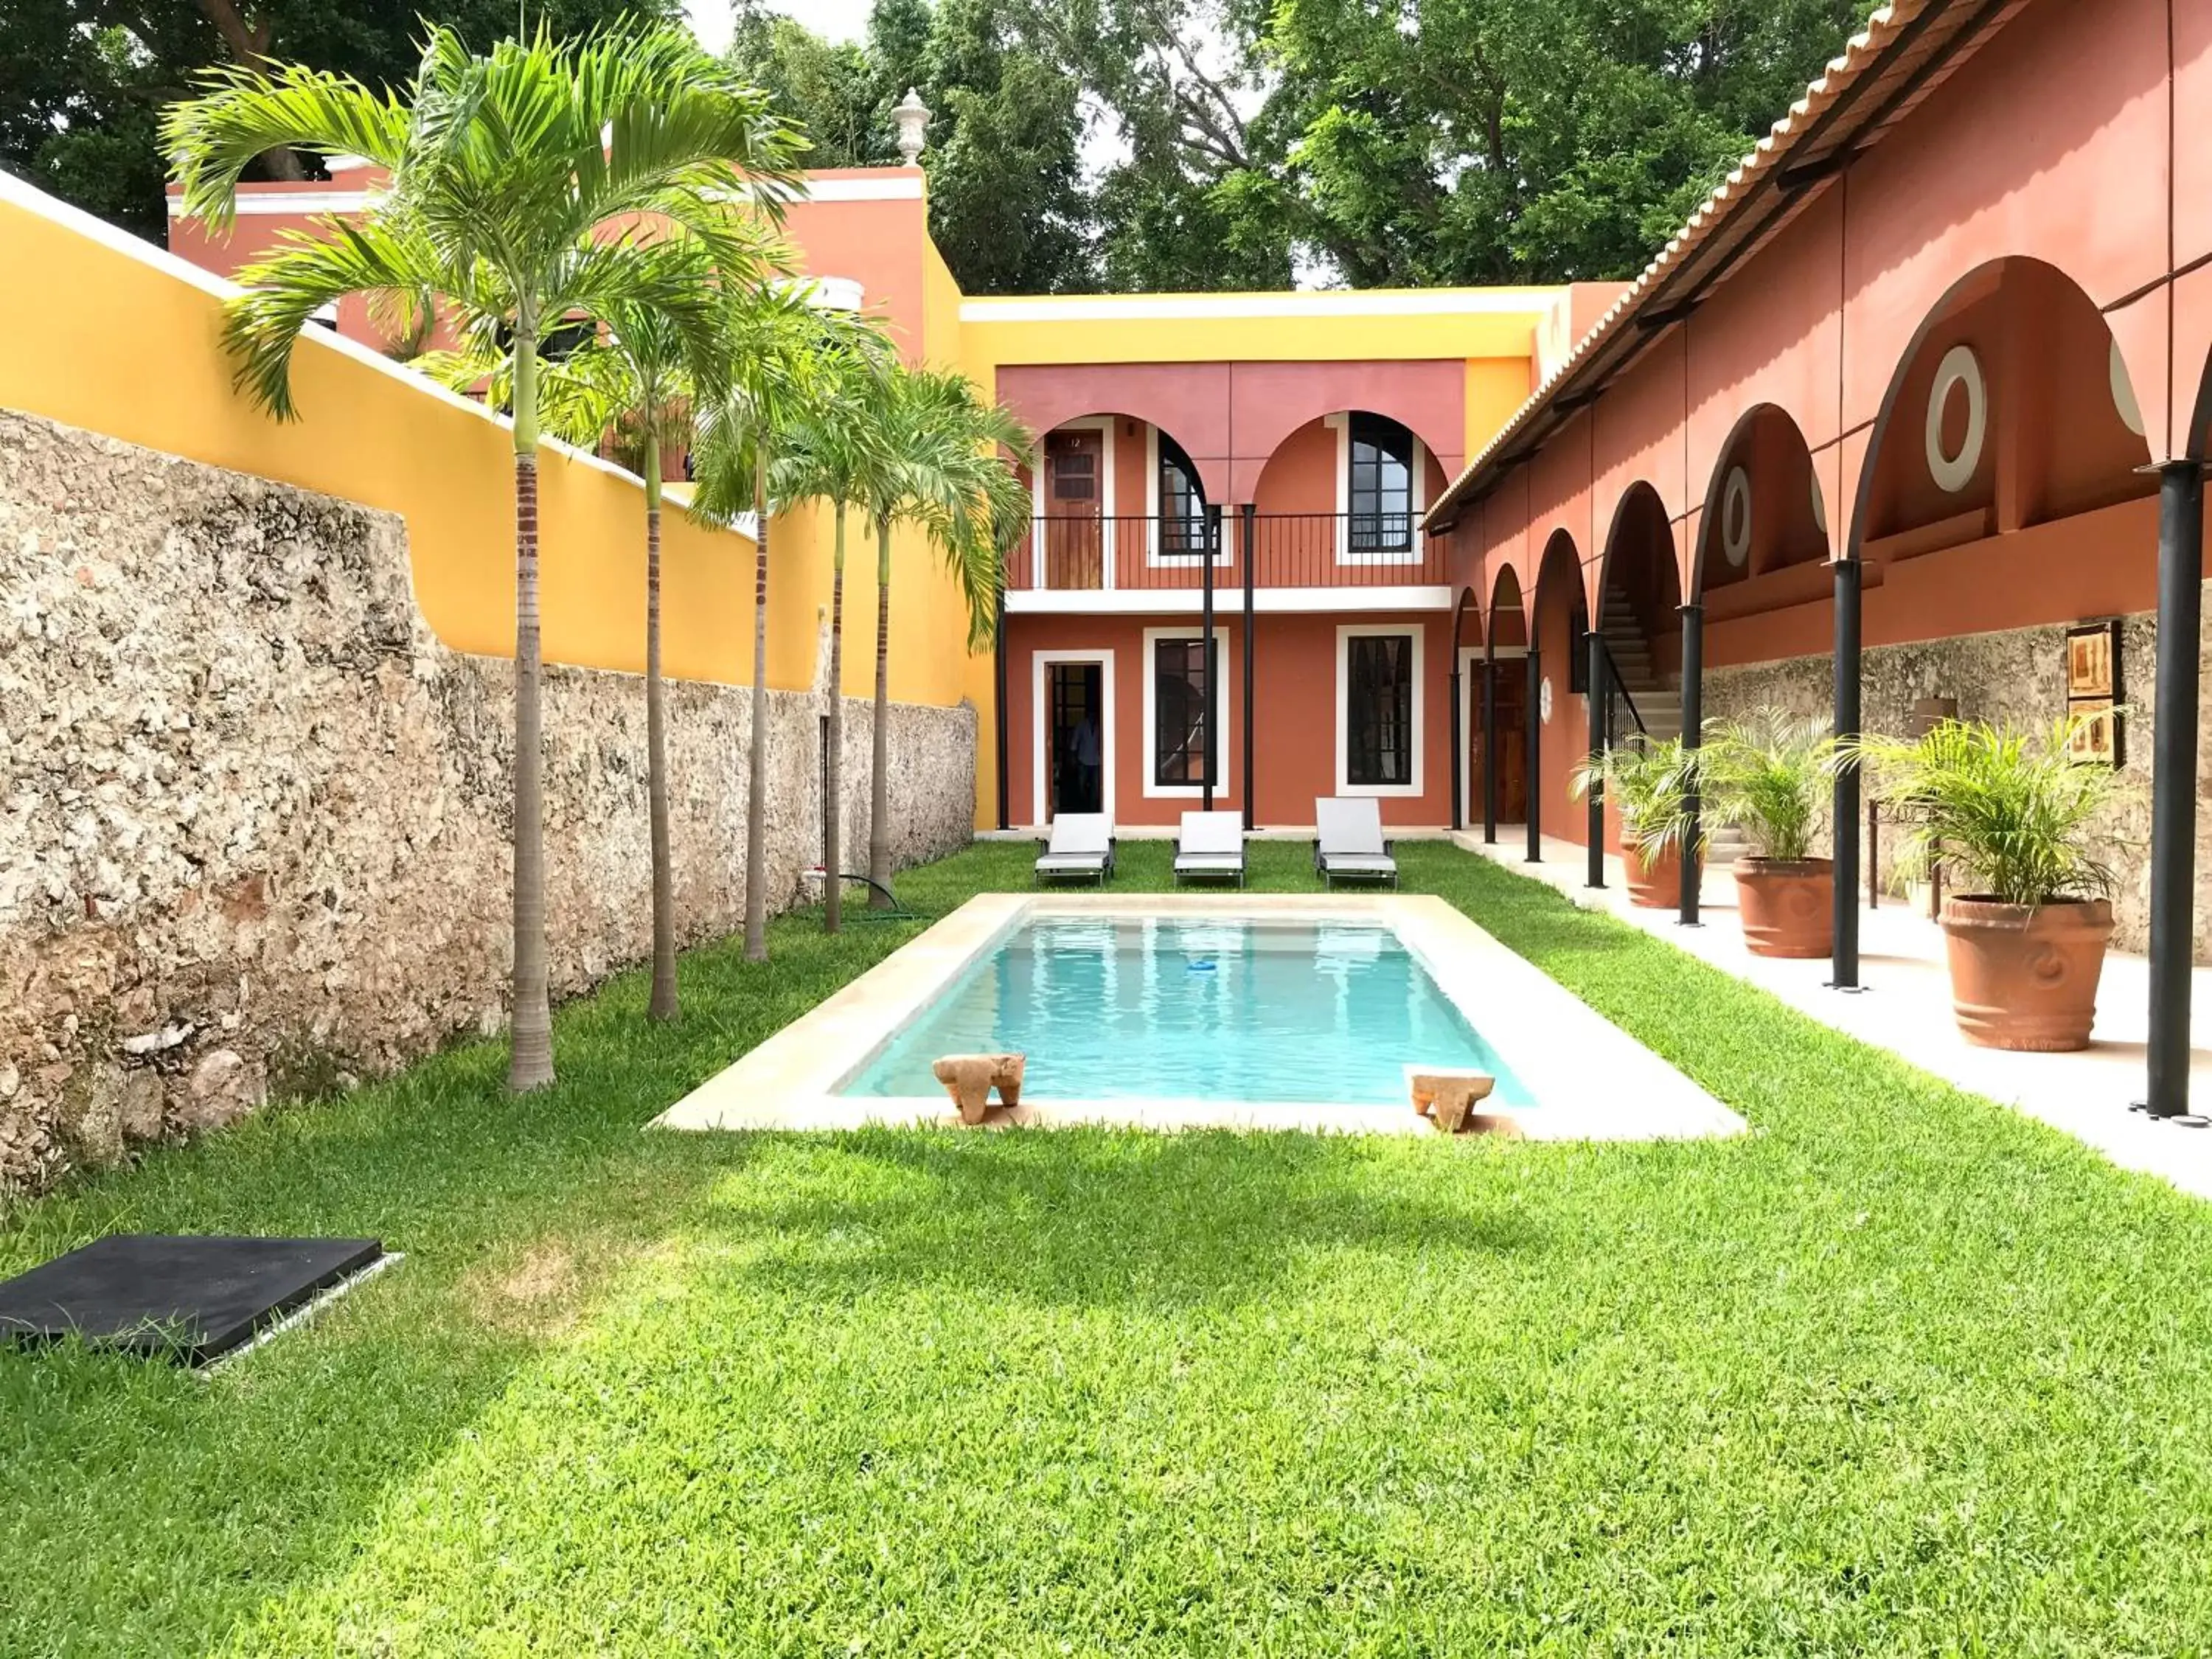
x,y
1899,1373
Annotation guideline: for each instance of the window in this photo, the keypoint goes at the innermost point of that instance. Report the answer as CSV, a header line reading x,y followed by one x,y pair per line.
x,y
1380,490
1182,745
1378,724
1183,501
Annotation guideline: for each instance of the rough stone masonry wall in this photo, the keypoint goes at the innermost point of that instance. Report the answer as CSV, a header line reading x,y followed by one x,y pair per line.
x,y
255,826
2019,675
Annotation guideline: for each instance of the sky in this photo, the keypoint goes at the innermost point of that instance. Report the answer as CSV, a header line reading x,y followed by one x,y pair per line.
x,y
836,20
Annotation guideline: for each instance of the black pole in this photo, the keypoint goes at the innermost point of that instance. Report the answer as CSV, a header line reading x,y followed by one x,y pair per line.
x,y
1458,741
1490,741
1245,511
1844,971
1594,642
999,675
1206,651
2173,783
1535,813
1693,737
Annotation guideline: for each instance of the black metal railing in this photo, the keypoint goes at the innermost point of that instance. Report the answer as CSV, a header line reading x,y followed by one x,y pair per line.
x,y
1617,698
1078,553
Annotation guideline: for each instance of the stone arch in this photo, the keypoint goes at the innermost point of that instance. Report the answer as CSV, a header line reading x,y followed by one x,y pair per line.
x,y
1304,464
1967,440
1763,506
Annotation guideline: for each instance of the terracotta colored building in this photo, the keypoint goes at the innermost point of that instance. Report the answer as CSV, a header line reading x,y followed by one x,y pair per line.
x,y
1918,392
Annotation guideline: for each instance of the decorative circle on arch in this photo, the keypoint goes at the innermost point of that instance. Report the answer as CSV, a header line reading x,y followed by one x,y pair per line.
x,y
1735,518
1544,700
1959,367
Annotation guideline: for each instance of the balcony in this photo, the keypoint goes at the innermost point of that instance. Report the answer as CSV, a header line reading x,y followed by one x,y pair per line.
x,y
1295,561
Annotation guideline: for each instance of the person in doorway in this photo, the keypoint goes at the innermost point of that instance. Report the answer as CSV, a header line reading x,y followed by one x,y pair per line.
x,y
1083,746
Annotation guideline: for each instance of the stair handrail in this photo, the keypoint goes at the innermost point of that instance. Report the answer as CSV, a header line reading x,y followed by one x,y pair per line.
x,y
1613,684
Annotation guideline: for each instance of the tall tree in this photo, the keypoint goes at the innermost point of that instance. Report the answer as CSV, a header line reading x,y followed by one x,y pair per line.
x,y
1236,143
831,452
83,83
514,177
779,346
938,463
638,379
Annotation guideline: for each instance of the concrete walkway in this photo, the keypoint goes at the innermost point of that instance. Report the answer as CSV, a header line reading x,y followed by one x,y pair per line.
x,y
1906,1009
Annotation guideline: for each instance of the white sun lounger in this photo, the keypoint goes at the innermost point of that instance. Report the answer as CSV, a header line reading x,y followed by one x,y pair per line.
x,y
1082,844
1348,845
1212,845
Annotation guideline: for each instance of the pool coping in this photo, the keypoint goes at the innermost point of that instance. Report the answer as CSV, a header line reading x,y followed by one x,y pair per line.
x,y
1594,1081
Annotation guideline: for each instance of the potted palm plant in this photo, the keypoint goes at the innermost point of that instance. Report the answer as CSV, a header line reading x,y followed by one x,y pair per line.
x,y
1649,783
1765,775
2011,813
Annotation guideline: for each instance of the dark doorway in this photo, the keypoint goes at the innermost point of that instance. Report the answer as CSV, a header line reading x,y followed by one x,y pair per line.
x,y
1077,756
1509,683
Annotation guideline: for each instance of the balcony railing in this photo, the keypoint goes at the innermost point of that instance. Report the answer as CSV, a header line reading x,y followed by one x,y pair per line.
x,y
1140,552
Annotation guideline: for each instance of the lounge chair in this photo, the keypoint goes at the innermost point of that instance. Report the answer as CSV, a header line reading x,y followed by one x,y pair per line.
x,y
1348,845
1082,844
1211,844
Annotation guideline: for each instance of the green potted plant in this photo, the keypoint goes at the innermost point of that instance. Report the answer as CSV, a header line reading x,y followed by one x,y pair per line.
x,y
1767,774
1648,784
2013,815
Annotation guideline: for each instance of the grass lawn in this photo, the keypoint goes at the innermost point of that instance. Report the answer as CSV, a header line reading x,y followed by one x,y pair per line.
x,y
1899,1373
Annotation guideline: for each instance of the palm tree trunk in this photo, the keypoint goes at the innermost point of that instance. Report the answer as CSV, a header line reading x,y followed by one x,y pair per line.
x,y
833,897
530,1064
662,1004
879,767
757,762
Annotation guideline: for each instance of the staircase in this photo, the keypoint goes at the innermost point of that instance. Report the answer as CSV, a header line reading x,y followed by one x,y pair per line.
x,y
1658,700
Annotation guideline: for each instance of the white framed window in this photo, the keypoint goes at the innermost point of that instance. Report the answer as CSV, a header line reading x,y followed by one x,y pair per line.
x,y
1380,719
1382,489
1175,741
1041,725
1175,505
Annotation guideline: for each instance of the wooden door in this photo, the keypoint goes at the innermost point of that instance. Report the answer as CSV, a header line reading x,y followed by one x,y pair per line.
x,y
1511,681
1074,501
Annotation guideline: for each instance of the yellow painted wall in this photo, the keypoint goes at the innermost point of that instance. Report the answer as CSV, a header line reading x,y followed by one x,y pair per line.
x,y
1497,322
127,343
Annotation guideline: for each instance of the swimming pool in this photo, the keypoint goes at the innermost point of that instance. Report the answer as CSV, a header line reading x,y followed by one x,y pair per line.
x,y
1195,1009
1189,1011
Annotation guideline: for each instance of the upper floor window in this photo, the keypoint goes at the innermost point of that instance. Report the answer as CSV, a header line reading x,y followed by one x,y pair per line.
x,y
1379,494
1183,501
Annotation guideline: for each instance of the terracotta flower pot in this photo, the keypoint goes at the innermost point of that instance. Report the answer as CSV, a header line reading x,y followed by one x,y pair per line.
x,y
1655,886
2025,977
1788,906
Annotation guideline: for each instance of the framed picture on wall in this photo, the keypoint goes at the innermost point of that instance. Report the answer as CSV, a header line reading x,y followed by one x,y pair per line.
x,y
2093,693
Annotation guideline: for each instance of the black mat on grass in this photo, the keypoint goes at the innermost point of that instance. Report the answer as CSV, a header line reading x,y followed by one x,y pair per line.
x,y
187,1299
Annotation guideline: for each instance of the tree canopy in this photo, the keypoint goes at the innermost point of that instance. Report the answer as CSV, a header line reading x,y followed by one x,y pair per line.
x,y
83,83
1165,144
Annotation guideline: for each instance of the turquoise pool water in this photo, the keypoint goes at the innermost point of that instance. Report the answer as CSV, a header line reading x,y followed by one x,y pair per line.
x,y
1249,1012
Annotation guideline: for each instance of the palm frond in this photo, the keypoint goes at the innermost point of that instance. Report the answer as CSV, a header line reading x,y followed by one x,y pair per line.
x,y
244,113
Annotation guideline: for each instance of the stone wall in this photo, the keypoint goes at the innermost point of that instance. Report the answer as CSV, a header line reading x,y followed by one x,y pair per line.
x,y
2018,675
256,823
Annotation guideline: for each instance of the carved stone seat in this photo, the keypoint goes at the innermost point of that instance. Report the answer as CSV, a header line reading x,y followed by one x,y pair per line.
x,y
1447,1099
970,1078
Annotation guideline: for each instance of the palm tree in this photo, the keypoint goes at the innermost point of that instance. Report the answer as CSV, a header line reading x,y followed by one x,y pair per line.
x,y
941,469
640,378
831,455
520,181
781,349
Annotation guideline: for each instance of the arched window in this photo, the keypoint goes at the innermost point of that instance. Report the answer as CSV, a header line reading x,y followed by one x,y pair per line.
x,y
1380,490
1183,501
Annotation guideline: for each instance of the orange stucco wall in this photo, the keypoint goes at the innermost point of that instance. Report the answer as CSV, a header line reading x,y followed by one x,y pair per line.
x,y
1294,692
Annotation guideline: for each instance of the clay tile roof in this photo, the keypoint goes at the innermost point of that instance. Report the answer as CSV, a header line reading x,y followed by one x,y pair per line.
x,y
1907,49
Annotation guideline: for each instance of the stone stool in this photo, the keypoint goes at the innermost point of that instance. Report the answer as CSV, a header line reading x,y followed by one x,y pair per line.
x,y
970,1078
1447,1098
